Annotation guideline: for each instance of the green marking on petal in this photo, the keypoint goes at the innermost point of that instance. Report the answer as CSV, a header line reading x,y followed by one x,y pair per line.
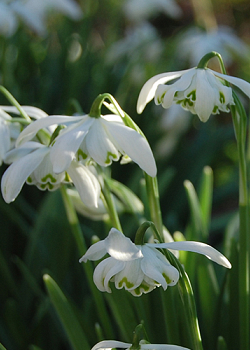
x,y
47,178
110,155
222,98
192,95
142,287
29,180
46,186
167,279
81,155
215,110
125,281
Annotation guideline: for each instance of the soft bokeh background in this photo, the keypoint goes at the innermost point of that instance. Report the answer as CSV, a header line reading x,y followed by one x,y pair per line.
x,y
62,65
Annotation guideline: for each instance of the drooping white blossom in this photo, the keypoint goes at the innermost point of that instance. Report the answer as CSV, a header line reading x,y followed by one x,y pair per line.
x,y
31,163
103,139
140,268
201,91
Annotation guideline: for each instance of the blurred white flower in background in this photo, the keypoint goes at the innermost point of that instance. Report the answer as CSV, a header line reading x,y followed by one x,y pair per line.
x,y
140,41
140,10
140,46
221,39
8,20
34,14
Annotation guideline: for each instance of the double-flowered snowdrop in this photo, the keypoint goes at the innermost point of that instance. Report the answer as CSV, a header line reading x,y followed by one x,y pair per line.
x,y
200,90
103,138
31,163
140,268
143,345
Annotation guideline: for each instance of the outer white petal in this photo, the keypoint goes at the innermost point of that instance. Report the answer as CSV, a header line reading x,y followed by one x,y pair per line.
x,y
32,112
134,145
240,83
99,146
15,176
21,151
31,130
120,247
105,271
148,90
110,344
155,266
85,182
67,144
196,247
161,347
95,252
205,96
4,139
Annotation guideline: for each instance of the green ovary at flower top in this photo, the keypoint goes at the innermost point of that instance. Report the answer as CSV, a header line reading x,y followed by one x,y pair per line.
x,y
140,268
103,138
202,91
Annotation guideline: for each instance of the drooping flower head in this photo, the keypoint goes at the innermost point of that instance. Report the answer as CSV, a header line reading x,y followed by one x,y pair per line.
x,y
103,138
200,90
140,268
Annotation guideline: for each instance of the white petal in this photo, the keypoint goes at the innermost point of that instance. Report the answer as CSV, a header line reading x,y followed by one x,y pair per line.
x,y
161,347
32,112
196,247
86,183
99,146
156,266
240,83
134,145
15,176
105,271
205,96
67,144
110,344
4,139
21,151
120,247
95,252
148,90
31,130
131,276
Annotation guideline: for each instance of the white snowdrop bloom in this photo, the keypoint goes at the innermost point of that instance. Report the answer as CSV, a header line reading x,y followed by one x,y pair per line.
x,y
31,164
103,139
202,91
140,10
143,345
34,13
140,42
221,39
8,133
140,268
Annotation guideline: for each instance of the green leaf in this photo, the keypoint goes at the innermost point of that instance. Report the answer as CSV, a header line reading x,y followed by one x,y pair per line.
x,y
66,315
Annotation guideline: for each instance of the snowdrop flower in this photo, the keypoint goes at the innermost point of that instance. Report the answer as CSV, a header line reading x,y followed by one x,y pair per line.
x,y
103,139
221,39
34,12
140,268
31,163
140,10
110,344
9,131
202,91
